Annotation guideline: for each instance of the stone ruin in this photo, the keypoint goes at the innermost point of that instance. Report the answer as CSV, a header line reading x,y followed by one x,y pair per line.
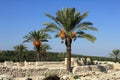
x,y
10,69
80,62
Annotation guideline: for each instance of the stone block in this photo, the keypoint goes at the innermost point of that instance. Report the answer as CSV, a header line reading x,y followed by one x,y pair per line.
x,y
8,63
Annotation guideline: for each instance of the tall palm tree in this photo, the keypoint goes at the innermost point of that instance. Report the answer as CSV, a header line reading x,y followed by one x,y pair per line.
x,y
37,37
44,47
20,50
115,53
69,26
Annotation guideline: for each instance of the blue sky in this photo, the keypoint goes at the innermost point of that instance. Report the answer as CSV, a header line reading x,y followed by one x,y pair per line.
x,y
18,17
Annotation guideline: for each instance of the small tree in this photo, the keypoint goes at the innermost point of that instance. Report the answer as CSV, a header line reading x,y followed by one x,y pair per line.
x,y
37,37
20,49
44,47
115,53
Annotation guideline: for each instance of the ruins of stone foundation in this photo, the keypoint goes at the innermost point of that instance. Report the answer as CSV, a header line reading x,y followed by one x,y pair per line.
x,y
10,70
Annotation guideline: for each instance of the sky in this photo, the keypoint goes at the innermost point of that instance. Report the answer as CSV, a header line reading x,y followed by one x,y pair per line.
x,y
18,17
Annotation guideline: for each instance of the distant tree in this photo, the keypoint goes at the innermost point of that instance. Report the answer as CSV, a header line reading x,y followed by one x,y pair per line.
x,y
44,48
30,56
61,55
69,26
37,37
115,53
20,49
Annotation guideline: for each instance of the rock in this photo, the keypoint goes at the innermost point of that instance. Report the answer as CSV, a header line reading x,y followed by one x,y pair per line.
x,y
95,62
116,66
80,69
73,60
83,61
77,63
108,66
6,77
8,63
89,61
65,77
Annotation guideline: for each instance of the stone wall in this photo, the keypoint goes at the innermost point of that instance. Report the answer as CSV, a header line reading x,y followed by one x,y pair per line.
x,y
29,72
29,69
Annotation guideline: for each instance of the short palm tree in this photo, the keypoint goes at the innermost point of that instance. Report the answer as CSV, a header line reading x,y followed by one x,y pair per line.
x,y
37,37
20,49
69,26
115,53
44,47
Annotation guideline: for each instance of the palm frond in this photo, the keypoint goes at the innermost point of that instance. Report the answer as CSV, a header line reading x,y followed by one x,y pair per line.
x,y
51,27
53,18
20,48
44,40
88,37
111,55
116,52
45,47
27,38
78,18
85,26
84,15
57,35
80,32
40,35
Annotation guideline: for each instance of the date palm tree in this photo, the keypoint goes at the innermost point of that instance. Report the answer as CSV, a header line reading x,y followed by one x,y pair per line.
x,y
115,53
69,26
44,48
37,37
20,49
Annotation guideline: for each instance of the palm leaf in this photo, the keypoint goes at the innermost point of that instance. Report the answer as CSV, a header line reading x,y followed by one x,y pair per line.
x,y
53,18
88,37
85,26
40,35
57,35
51,27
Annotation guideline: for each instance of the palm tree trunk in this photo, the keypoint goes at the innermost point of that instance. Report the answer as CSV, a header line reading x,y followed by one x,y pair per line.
x,y
38,56
38,53
116,59
19,57
43,54
68,54
69,58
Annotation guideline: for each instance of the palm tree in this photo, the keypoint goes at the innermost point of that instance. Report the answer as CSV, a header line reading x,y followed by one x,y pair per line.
x,y
20,50
115,53
69,26
44,47
37,37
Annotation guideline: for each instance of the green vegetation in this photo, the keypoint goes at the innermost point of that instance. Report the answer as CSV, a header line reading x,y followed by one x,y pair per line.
x,y
115,53
44,47
20,49
69,25
30,55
